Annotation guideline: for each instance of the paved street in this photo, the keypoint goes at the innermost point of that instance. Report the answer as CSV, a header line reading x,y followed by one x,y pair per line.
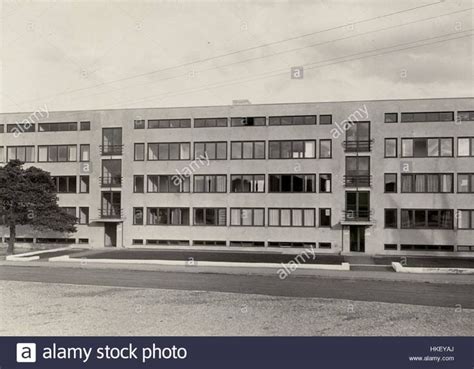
x,y
406,292
86,301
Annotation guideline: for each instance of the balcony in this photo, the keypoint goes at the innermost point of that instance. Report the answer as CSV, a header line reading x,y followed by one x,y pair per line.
x,y
358,145
357,216
111,213
111,181
111,149
358,180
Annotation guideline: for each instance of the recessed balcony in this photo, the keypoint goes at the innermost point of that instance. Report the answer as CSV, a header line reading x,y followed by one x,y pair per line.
x,y
111,181
358,180
111,149
111,213
358,145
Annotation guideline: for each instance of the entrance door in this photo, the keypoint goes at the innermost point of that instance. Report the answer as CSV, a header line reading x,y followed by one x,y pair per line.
x,y
110,234
357,238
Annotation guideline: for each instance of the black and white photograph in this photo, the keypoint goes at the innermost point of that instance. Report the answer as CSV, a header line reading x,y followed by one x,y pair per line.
x,y
232,169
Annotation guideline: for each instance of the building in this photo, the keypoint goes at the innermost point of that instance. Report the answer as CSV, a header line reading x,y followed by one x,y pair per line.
x,y
377,177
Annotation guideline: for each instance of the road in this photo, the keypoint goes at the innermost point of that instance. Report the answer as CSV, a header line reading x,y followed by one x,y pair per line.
x,y
402,292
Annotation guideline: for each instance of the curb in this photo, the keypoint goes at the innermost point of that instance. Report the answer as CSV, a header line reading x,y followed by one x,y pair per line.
x,y
66,258
33,255
399,268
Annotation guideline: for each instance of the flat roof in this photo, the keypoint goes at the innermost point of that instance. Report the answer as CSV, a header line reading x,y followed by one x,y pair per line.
x,y
242,105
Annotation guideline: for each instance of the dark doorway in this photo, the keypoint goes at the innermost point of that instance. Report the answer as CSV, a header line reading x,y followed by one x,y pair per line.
x,y
357,238
110,235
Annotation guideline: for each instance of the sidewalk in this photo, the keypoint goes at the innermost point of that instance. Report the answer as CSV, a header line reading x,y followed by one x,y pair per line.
x,y
298,273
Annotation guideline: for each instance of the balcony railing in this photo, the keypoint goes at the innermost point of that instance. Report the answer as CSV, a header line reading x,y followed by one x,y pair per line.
x,y
111,181
358,180
357,215
358,145
111,213
111,149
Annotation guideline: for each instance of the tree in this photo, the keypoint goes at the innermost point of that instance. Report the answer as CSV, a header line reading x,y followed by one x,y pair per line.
x,y
28,197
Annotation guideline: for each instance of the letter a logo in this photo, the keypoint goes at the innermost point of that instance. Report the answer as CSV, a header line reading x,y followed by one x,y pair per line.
x,y
26,352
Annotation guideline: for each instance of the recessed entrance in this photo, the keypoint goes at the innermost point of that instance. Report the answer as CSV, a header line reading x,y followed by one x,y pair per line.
x,y
357,238
110,234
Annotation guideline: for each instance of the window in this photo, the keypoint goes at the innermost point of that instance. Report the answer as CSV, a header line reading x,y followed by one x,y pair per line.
x,y
247,243
391,117
85,126
57,127
427,183
292,149
292,182
208,243
466,183
286,217
23,153
466,146
325,183
248,121
20,128
324,245
447,116
431,247
427,218
138,216
167,183
247,150
390,246
2,128
139,124
465,219
71,210
65,184
210,183
168,216
57,153
2,154
83,215
138,184
427,147
139,152
169,151
84,153
391,220
251,217
306,245
210,150
169,123
464,116
210,216
390,148
210,122
325,217
84,184
325,149
390,182
247,183
292,120
325,119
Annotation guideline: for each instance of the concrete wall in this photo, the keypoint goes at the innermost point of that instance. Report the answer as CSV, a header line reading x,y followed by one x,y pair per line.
x,y
377,235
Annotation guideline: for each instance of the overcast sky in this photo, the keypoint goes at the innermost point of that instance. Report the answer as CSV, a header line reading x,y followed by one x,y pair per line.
x,y
81,55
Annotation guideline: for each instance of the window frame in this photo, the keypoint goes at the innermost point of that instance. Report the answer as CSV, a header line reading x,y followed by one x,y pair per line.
x,y
386,139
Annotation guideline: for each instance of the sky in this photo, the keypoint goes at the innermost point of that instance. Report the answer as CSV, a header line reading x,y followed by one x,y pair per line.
x,y
80,55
